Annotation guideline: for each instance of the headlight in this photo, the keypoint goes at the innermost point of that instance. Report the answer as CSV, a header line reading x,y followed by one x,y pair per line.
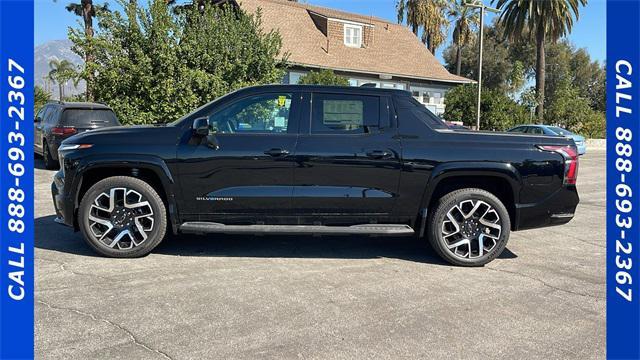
x,y
65,147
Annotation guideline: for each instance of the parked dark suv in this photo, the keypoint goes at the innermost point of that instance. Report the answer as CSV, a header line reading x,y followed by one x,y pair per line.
x,y
289,159
57,121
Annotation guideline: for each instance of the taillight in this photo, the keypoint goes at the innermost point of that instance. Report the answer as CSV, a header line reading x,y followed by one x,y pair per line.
x,y
64,130
571,161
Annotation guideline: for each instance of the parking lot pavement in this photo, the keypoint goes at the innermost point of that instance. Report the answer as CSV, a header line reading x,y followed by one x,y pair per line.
x,y
325,297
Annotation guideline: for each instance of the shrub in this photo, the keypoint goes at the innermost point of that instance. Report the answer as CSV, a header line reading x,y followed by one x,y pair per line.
x,y
323,77
497,111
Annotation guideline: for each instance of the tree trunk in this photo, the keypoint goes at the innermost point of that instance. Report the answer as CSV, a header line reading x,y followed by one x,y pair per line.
x,y
60,90
87,16
458,60
429,47
540,73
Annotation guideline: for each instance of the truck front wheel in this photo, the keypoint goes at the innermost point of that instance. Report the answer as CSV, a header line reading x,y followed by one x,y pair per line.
x,y
122,217
469,227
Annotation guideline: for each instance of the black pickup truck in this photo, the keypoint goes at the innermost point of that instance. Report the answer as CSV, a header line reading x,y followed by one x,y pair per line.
x,y
288,159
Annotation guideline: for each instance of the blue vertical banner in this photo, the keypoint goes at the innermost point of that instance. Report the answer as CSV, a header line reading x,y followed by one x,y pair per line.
x,y
16,179
623,182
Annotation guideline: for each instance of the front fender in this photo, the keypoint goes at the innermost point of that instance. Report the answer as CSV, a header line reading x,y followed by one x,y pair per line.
x,y
150,162
158,166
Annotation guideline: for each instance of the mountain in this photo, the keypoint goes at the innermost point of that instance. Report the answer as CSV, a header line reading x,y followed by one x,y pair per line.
x,y
60,50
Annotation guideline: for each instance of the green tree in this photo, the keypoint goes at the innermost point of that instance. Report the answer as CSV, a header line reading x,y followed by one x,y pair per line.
x,y
497,112
568,66
60,72
594,126
543,20
154,65
569,109
87,10
529,100
590,77
323,77
41,97
464,19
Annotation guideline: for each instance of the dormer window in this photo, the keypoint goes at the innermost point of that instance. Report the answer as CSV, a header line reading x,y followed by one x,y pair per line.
x,y
353,35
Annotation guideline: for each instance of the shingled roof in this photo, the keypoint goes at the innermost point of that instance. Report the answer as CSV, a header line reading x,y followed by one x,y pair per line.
x,y
393,50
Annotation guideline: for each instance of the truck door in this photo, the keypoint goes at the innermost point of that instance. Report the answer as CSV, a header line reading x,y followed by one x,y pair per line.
x,y
347,159
248,177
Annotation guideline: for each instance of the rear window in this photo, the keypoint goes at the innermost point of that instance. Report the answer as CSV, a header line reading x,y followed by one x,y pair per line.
x,y
420,112
560,131
89,118
344,114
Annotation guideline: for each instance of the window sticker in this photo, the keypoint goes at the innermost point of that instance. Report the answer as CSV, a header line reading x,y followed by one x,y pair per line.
x,y
279,122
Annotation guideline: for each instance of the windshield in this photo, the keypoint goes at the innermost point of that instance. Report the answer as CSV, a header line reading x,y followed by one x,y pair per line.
x,y
560,131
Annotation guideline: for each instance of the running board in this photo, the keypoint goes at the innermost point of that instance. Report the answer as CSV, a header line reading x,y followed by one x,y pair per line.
x,y
365,229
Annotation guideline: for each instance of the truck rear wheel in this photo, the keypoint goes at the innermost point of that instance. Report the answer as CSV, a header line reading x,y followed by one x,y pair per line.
x,y
469,227
122,217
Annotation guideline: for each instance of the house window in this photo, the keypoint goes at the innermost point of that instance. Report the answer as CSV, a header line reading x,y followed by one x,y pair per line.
x,y
353,35
294,77
437,98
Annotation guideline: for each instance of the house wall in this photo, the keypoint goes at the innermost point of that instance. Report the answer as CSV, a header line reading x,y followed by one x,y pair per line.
x,y
368,35
335,32
431,94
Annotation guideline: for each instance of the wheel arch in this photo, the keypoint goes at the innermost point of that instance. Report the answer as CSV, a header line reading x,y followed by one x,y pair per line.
x,y
501,179
152,170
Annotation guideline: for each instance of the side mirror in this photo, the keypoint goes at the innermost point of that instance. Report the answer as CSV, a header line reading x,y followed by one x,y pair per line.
x,y
201,130
201,126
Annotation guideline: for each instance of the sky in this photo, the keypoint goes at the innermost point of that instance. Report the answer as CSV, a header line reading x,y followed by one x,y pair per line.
x,y
52,20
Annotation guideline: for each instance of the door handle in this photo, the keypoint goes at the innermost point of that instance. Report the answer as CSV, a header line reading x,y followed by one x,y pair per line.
x,y
276,152
379,154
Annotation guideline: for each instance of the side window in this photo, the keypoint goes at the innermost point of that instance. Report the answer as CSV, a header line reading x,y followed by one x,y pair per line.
x,y
49,115
519,129
344,114
535,130
266,113
410,107
44,113
41,113
52,115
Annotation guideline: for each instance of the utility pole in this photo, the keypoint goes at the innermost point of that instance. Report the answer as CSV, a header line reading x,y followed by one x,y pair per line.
x,y
479,5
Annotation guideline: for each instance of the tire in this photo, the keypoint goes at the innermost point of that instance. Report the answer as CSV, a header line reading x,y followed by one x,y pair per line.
x,y
463,208
49,162
138,217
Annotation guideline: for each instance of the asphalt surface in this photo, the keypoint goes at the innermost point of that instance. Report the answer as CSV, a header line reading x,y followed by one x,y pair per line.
x,y
325,297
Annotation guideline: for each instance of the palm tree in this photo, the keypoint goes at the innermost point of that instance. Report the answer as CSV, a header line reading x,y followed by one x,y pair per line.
x,y
62,71
87,10
430,15
542,19
412,10
464,18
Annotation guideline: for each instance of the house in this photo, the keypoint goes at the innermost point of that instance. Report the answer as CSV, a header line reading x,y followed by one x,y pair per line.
x,y
364,49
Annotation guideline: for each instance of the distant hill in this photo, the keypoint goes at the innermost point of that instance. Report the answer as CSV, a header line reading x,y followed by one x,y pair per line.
x,y
60,50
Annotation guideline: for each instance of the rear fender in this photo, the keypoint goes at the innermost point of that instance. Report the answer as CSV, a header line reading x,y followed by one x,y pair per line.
x,y
446,171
